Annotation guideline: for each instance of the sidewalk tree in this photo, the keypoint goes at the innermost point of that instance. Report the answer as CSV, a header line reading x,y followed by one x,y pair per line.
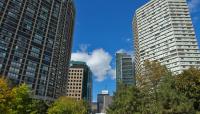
x,y
153,73
6,97
17,100
188,82
126,99
172,101
65,105
159,92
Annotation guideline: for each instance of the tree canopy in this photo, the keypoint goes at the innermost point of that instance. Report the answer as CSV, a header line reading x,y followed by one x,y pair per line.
x,y
65,105
18,100
158,91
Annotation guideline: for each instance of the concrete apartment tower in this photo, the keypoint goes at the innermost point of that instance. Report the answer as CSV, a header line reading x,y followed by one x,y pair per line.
x,y
79,80
35,44
124,69
163,31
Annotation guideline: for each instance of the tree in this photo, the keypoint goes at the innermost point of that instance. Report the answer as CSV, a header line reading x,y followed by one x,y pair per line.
x,y
39,107
172,101
23,103
127,100
150,78
188,82
18,100
151,74
65,105
6,97
157,93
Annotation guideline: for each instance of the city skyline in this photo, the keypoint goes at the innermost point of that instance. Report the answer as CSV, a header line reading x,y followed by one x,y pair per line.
x,y
113,32
99,56
101,30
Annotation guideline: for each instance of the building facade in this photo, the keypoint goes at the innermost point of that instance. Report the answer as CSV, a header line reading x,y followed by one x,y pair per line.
x,y
94,108
103,101
35,44
163,31
124,69
79,82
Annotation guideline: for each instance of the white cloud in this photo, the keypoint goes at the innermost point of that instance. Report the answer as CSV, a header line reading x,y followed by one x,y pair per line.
x,y
99,62
113,74
194,5
130,52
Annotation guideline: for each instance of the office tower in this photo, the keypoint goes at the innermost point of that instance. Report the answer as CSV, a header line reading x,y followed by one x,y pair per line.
x,y
124,69
163,31
35,44
79,81
94,108
103,101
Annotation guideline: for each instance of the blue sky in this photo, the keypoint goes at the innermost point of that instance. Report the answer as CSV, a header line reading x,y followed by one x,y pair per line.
x,y
104,27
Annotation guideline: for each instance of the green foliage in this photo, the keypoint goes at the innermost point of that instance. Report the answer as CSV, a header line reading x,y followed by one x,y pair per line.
x,y
39,107
65,105
172,101
6,97
17,100
159,92
188,83
151,75
22,101
127,97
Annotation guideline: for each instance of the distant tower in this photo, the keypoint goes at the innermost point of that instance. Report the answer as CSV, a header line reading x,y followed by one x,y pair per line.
x,y
79,81
163,31
124,69
35,44
103,101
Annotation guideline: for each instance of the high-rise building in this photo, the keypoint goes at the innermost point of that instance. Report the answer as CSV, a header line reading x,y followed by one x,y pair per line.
x,y
35,44
79,82
103,101
124,69
163,31
94,108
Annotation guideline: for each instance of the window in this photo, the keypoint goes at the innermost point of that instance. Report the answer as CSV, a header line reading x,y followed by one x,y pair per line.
x,y
30,70
56,10
27,24
44,13
1,6
38,39
35,52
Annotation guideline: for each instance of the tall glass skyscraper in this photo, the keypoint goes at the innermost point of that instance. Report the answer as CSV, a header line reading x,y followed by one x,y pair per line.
x,y
124,69
163,31
35,44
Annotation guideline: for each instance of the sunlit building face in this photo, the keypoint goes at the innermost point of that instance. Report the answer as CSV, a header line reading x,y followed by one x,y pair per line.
x,y
163,31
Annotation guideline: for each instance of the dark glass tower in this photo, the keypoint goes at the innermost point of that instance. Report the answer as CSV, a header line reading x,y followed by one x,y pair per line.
x,y
124,69
35,44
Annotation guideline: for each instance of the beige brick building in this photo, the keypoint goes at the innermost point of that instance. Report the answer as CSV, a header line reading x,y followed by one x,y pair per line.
x,y
74,86
79,85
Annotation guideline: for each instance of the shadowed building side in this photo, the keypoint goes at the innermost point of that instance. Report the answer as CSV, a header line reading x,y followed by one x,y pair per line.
x,y
35,44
